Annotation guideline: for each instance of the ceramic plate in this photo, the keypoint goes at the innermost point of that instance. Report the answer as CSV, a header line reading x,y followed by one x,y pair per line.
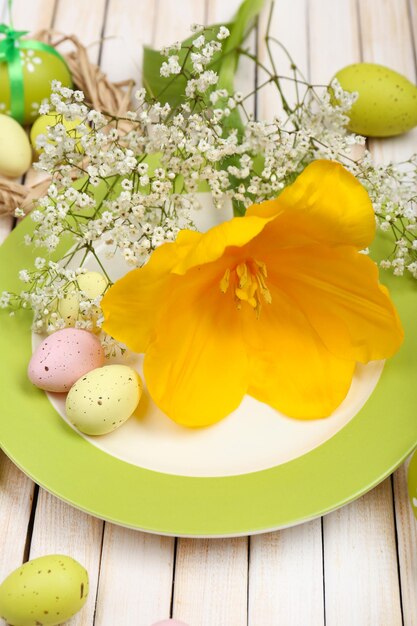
x,y
255,471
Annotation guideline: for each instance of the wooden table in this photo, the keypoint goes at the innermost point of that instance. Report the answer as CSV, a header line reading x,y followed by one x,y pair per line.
x,y
354,567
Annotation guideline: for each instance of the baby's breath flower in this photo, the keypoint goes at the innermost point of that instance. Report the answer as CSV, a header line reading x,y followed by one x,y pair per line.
x,y
138,177
223,33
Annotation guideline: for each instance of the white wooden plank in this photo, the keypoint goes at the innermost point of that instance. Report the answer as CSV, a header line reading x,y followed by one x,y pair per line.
x,y
412,14
61,529
386,35
379,27
334,38
289,26
285,568
211,582
210,576
286,577
3,11
16,494
58,527
126,32
407,546
32,15
135,578
173,20
360,562
135,584
16,490
359,540
83,19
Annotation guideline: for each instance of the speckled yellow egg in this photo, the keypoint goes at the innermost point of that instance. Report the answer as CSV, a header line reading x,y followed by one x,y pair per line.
x,y
104,399
387,102
39,68
42,124
93,284
15,150
48,591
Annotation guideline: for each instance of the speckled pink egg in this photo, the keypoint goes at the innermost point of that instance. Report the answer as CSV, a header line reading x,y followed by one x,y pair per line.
x,y
63,357
170,622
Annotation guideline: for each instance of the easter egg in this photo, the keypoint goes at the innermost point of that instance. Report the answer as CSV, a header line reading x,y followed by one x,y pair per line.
x,y
42,124
387,102
63,357
48,591
67,307
39,68
15,150
104,399
93,285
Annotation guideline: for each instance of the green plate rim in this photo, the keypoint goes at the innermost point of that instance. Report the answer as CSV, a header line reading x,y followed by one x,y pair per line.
x,y
369,448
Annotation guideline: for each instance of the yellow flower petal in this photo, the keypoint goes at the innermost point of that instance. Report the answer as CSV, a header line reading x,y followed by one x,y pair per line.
x,y
337,289
326,204
290,368
237,232
130,305
196,367
279,302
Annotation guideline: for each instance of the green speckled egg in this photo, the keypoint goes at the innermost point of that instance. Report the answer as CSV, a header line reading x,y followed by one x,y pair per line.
x,y
387,103
103,399
48,591
39,69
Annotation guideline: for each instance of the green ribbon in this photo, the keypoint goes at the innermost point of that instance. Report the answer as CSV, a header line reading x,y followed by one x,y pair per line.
x,y
10,46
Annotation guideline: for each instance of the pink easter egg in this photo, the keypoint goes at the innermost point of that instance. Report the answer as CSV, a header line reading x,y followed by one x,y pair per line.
x,y
63,357
170,622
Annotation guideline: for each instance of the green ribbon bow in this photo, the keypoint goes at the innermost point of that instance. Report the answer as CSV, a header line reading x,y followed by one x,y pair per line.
x,y
10,46
10,54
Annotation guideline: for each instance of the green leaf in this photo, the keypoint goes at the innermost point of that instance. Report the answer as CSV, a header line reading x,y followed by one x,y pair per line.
x,y
239,29
172,89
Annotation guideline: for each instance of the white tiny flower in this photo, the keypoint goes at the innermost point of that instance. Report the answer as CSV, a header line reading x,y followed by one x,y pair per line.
x,y
223,33
24,276
199,42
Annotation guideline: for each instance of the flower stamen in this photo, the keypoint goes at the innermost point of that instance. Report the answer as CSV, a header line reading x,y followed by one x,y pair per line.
x,y
250,285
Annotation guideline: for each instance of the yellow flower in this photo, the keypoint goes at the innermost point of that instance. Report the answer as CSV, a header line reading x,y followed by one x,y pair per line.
x,y
279,304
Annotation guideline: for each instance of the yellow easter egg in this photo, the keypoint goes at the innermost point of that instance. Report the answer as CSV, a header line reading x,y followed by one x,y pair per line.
x,y
45,591
93,285
387,102
42,124
39,69
15,150
103,399
68,307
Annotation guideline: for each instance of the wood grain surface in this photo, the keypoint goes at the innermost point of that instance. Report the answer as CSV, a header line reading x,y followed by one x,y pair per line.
x,y
355,567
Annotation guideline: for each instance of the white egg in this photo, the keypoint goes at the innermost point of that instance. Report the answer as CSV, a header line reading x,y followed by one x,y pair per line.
x,y
15,148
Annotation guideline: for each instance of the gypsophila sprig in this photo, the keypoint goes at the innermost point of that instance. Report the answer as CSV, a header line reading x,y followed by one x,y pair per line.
x,y
122,186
